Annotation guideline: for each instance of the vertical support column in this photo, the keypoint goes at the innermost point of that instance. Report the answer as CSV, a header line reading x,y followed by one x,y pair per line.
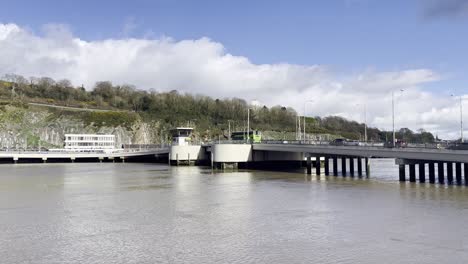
x,y
188,158
412,172
327,165
422,171
431,172
367,167
317,165
212,158
177,159
401,172
309,165
449,172
359,166
343,165
351,166
458,173
465,172
335,165
440,172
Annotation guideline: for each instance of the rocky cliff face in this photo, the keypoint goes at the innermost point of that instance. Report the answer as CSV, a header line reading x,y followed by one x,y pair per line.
x,y
30,127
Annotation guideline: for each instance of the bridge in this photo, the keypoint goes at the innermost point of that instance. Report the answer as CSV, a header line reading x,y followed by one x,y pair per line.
x,y
450,166
424,158
61,156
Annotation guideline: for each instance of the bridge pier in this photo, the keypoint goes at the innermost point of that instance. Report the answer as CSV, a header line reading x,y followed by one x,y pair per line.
x,y
359,166
343,166
431,172
458,173
309,164
412,172
317,165
335,165
44,159
401,172
449,172
367,166
327,165
422,172
351,166
465,172
440,172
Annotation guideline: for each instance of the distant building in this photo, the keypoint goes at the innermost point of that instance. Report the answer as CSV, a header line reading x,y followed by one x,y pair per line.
x,y
89,142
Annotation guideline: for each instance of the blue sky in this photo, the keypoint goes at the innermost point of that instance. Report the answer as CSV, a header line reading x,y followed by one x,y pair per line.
x,y
347,35
347,51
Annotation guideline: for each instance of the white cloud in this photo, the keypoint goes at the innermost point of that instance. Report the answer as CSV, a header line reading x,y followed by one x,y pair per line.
x,y
204,66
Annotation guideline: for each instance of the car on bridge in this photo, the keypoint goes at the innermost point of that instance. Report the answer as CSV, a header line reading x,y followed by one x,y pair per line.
x,y
338,142
458,146
399,143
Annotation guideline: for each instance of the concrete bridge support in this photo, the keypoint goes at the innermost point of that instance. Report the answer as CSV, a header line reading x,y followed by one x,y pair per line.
x,y
402,172
309,164
422,172
351,166
327,165
458,173
317,165
440,172
343,165
359,166
412,172
335,165
431,172
367,166
449,172
465,172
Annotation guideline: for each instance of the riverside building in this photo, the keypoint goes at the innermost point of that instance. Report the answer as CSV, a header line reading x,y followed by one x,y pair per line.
x,y
89,142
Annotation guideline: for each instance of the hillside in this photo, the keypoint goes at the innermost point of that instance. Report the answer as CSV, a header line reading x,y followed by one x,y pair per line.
x,y
41,110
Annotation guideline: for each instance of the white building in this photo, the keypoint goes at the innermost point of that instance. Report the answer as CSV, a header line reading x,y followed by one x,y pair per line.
x,y
89,142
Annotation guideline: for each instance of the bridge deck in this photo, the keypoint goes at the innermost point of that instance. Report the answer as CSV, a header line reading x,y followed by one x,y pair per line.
x,y
69,155
378,152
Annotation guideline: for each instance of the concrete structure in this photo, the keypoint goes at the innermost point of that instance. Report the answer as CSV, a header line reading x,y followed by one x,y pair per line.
x,y
89,142
183,151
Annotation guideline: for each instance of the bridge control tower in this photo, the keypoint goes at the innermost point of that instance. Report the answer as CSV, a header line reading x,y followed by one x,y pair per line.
x,y
181,136
183,150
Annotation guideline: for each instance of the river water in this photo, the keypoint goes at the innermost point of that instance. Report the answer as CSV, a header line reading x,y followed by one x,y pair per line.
x,y
152,213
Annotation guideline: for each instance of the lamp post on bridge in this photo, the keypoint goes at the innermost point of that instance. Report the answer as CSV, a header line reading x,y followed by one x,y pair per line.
x,y
461,117
305,112
393,115
365,121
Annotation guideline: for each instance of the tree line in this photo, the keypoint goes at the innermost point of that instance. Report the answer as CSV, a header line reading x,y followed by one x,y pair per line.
x,y
210,116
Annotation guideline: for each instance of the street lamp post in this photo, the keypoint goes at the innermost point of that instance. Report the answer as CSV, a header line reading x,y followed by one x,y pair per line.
x,y
365,122
305,103
248,124
461,118
393,115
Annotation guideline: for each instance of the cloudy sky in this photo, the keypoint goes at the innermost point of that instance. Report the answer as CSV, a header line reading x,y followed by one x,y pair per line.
x,y
339,54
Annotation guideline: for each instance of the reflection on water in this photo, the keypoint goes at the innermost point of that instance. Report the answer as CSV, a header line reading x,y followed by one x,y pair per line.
x,y
149,213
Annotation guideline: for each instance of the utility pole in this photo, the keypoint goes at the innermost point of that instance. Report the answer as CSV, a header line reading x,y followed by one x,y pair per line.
x,y
248,124
393,116
305,103
461,118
